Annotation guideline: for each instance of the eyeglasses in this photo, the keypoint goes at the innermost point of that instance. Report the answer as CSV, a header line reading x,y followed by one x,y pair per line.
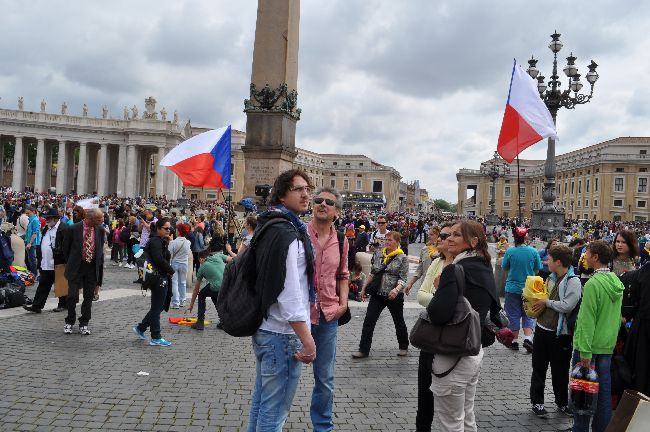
x,y
381,223
444,236
329,202
306,189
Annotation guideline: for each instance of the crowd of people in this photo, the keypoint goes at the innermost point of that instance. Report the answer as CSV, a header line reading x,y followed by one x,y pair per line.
x,y
597,279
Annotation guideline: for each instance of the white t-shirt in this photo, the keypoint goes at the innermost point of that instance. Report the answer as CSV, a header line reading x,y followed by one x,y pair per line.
x,y
47,255
293,301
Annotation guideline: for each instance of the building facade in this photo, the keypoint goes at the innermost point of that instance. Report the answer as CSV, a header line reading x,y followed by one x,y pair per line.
x,y
605,181
82,154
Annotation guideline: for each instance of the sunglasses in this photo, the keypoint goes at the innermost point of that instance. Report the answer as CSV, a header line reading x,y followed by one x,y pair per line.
x,y
444,236
166,228
381,223
328,201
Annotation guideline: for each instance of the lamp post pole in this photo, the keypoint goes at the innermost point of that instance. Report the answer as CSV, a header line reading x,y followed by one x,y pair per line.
x,y
494,168
548,221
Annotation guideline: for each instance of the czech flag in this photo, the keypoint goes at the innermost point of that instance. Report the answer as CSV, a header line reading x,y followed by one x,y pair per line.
x,y
203,160
526,120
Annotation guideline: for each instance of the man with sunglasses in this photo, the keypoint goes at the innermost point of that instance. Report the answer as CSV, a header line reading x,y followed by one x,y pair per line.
x,y
331,282
378,238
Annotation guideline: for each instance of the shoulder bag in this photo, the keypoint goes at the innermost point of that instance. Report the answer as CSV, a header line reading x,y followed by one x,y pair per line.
x,y
373,287
460,337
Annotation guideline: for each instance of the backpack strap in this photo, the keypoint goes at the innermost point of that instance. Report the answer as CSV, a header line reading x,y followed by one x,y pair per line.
x,y
341,238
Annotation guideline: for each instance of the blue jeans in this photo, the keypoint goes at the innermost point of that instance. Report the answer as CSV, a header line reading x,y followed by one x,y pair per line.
x,y
322,397
277,376
31,261
152,318
604,404
179,283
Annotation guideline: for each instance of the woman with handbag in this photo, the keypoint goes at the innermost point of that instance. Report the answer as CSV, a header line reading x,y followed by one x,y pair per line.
x,y
455,379
386,284
159,256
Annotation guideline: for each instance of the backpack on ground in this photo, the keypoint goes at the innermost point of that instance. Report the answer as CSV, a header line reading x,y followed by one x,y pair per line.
x,y
13,295
239,305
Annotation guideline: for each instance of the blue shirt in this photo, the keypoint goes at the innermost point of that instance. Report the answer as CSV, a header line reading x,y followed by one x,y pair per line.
x,y
33,227
521,262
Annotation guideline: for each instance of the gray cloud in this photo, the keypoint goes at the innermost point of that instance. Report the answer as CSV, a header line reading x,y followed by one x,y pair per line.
x,y
417,85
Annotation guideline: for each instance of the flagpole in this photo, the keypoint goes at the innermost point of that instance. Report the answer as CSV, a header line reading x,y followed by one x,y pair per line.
x,y
519,192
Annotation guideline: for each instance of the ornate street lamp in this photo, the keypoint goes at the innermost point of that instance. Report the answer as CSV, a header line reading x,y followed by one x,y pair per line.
x,y
494,168
549,220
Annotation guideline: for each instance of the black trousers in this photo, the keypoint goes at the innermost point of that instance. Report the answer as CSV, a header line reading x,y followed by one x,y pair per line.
x,y
377,304
556,351
424,416
205,292
43,290
86,280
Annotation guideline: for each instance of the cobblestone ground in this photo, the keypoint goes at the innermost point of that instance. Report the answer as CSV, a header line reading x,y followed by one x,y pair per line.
x,y
56,382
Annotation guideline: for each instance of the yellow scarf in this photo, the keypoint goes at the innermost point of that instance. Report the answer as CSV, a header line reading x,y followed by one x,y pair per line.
x,y
390,255
432,250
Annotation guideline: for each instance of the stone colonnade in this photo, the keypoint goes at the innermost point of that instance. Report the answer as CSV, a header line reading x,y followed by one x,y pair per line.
x,y
88,167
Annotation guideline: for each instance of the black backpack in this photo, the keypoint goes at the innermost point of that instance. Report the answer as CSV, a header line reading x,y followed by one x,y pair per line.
x,y
125,234
239,304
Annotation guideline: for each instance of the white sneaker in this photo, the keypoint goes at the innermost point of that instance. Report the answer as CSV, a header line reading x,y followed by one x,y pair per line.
x,y
113,263
119,264
67,329
84,330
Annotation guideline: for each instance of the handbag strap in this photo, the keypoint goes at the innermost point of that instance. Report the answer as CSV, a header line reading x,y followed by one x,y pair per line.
x,y
447,372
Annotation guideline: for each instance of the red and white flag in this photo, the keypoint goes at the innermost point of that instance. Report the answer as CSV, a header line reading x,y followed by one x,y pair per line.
x,y
526,120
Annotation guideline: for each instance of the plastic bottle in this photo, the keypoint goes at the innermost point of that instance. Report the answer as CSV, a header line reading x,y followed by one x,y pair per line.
x,y
583,390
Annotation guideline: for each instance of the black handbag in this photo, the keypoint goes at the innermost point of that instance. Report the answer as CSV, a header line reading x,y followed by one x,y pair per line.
x,y
373,287
460,337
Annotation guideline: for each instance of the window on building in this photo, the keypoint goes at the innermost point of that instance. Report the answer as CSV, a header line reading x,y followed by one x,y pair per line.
x,y
506,203
565,187
359,185
587,203
596,203
643,152
522,192
596,185
377,186
506,191
347,163
573,187
587,186
579,186
360,163
620,169
335,163
641,204
618,203
618,184
643,169
579,204
359,175
643,185
333,183
346,184
507,181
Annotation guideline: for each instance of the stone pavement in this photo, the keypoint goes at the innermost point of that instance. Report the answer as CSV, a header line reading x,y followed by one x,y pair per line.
x,y
57,382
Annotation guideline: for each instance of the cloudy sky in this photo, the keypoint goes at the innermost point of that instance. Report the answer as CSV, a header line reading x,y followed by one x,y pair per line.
x,y
419,85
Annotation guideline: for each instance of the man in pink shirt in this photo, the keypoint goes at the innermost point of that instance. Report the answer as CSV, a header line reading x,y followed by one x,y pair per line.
x,y
331,280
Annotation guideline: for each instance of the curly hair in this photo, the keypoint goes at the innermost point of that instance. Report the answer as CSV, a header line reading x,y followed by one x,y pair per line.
x,y
284,182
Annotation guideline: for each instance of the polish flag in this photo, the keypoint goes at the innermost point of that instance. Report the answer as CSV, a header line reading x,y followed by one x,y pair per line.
x,y
526,120
203,160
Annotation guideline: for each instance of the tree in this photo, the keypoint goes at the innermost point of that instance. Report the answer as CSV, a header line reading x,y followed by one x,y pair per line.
x,y
445,205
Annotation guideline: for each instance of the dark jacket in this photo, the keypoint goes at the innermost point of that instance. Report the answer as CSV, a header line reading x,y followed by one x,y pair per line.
x,y
157,247
480,291
73,246
271,257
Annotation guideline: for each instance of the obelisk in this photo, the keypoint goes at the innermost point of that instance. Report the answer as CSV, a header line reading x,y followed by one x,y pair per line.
x,y
271,110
